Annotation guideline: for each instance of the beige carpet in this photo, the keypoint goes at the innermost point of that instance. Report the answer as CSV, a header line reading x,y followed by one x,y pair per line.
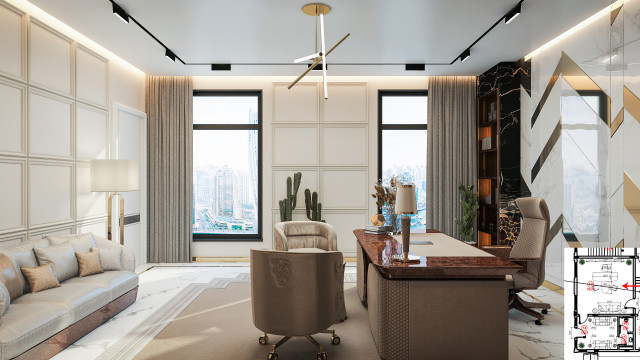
x,y
218,324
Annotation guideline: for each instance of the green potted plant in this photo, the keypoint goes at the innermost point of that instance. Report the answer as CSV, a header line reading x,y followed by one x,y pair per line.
x,y
470,207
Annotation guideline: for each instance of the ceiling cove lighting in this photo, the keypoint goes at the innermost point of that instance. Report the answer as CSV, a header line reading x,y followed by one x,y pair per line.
x,y
120,13
606,11
512,14
465,55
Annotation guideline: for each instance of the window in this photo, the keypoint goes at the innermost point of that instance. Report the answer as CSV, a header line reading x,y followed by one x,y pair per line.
x,y
227,135
402,144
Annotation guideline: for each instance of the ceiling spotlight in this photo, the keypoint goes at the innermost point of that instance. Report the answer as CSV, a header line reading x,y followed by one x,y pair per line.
x,y
512,14
170,55
465,55
220,67
414,67
120,13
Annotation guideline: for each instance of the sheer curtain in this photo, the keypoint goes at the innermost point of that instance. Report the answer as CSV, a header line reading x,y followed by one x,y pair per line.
x,y
169,104
451,148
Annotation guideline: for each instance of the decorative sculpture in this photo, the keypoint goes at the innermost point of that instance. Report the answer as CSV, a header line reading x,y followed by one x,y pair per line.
x,y
288,204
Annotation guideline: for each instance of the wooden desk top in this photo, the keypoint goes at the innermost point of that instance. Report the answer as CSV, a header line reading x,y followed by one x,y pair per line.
x,y
379,249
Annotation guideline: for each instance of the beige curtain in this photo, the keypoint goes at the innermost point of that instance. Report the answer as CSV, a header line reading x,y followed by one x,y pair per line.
x,y
169,105
451,148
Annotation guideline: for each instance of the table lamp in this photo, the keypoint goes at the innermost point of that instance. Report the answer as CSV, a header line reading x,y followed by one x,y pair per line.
x,y
115,176
405,206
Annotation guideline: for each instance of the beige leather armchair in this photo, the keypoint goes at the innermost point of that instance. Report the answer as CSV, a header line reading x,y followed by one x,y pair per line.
x,y
296,294
529,251
304,234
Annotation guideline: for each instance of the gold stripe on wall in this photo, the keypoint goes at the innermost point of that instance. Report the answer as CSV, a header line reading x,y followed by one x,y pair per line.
x,y
617,121
631,193
615,12
632,103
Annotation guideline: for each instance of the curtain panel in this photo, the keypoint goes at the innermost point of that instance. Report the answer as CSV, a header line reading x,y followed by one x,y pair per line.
x,y
169,105
451,148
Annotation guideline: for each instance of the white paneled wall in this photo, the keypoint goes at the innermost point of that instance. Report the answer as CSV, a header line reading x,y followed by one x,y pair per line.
x,y
329,145
54,118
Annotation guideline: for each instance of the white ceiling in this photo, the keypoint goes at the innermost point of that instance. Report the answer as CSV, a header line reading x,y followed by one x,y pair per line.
x,y
276,31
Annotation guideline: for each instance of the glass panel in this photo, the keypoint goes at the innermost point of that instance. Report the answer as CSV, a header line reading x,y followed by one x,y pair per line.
x,y
225,175
404,109
404,154
225,109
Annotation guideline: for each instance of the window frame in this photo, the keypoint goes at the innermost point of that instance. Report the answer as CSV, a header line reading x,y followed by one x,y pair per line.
x,y
200,127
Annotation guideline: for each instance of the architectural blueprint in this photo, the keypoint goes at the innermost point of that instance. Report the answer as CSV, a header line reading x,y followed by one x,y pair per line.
x,y
601,304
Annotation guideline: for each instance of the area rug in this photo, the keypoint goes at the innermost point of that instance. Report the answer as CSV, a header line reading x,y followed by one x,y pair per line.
x,y
207,321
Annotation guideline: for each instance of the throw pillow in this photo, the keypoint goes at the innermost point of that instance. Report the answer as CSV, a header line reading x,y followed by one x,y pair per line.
x,y
9,277
110,258
89,263
80,242
62,259
5,300
40,278
22,256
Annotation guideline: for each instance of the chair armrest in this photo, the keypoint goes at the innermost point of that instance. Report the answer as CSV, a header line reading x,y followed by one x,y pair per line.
x,y
128,257
280,239
524,259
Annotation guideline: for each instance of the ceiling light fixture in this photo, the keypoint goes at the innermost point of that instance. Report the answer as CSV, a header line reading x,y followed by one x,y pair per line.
x,y
512,14
220,67
120,13
465,55
414,67
314,10
170,55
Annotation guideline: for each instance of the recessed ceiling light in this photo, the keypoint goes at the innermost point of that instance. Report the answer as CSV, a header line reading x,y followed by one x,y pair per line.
x,y
465,55
170,55
512,14
414,67
120,13
220,67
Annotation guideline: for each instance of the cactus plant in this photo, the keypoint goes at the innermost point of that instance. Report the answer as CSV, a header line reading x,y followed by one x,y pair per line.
x,y
288,204
314,208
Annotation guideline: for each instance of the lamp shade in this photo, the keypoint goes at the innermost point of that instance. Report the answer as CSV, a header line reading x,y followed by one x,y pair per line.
x,y
115,175
406,200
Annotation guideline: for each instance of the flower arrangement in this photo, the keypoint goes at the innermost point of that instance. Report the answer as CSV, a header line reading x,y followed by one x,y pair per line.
x,y
385,196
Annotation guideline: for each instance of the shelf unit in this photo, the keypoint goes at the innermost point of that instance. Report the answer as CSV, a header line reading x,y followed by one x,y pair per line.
x,y
488,126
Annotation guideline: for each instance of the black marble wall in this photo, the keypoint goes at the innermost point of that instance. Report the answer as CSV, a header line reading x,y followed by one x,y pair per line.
x,y
509,76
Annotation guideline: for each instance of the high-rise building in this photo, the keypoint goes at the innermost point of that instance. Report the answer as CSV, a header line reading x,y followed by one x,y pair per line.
x,y
223,199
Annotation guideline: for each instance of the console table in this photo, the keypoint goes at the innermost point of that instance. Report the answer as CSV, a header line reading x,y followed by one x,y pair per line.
x,y
452,305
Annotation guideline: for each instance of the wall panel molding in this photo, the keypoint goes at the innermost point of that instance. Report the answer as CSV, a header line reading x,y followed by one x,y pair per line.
x,y
92,78
12,41
295,145
51,192
51,59
344,145
13,213
13,118
50,125
302,103
348,102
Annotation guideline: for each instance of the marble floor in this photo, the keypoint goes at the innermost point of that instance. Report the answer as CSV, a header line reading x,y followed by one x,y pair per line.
x,y
159,283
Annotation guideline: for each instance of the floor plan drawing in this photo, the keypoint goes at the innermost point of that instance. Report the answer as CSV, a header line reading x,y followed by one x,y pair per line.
x,y
602,305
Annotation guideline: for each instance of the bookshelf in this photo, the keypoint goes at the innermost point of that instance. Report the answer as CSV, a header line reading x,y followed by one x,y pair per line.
x,y
488,140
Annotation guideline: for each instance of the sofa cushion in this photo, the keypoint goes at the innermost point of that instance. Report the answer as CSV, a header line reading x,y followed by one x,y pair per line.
x,y
62,259
80,242
22,256
89,263
9,277
5,299
24,326
116,282
40,278
110,259
79,299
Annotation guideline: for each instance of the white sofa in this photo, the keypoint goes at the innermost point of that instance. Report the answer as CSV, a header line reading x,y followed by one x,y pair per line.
x,y
39,325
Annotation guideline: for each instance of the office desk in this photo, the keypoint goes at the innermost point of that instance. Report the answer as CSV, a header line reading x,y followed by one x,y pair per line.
x,y
452,305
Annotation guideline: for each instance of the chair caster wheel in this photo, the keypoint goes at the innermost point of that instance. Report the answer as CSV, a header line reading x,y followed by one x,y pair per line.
x,y
273,356
322,356
544,311
263,340
335,340
538,322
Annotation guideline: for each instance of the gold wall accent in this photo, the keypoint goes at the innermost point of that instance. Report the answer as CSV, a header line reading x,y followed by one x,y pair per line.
x,y
631,193
614,13
631,103
615,124
620,244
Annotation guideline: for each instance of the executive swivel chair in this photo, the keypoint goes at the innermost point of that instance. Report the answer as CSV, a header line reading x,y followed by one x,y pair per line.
x,y
296,294
529,251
